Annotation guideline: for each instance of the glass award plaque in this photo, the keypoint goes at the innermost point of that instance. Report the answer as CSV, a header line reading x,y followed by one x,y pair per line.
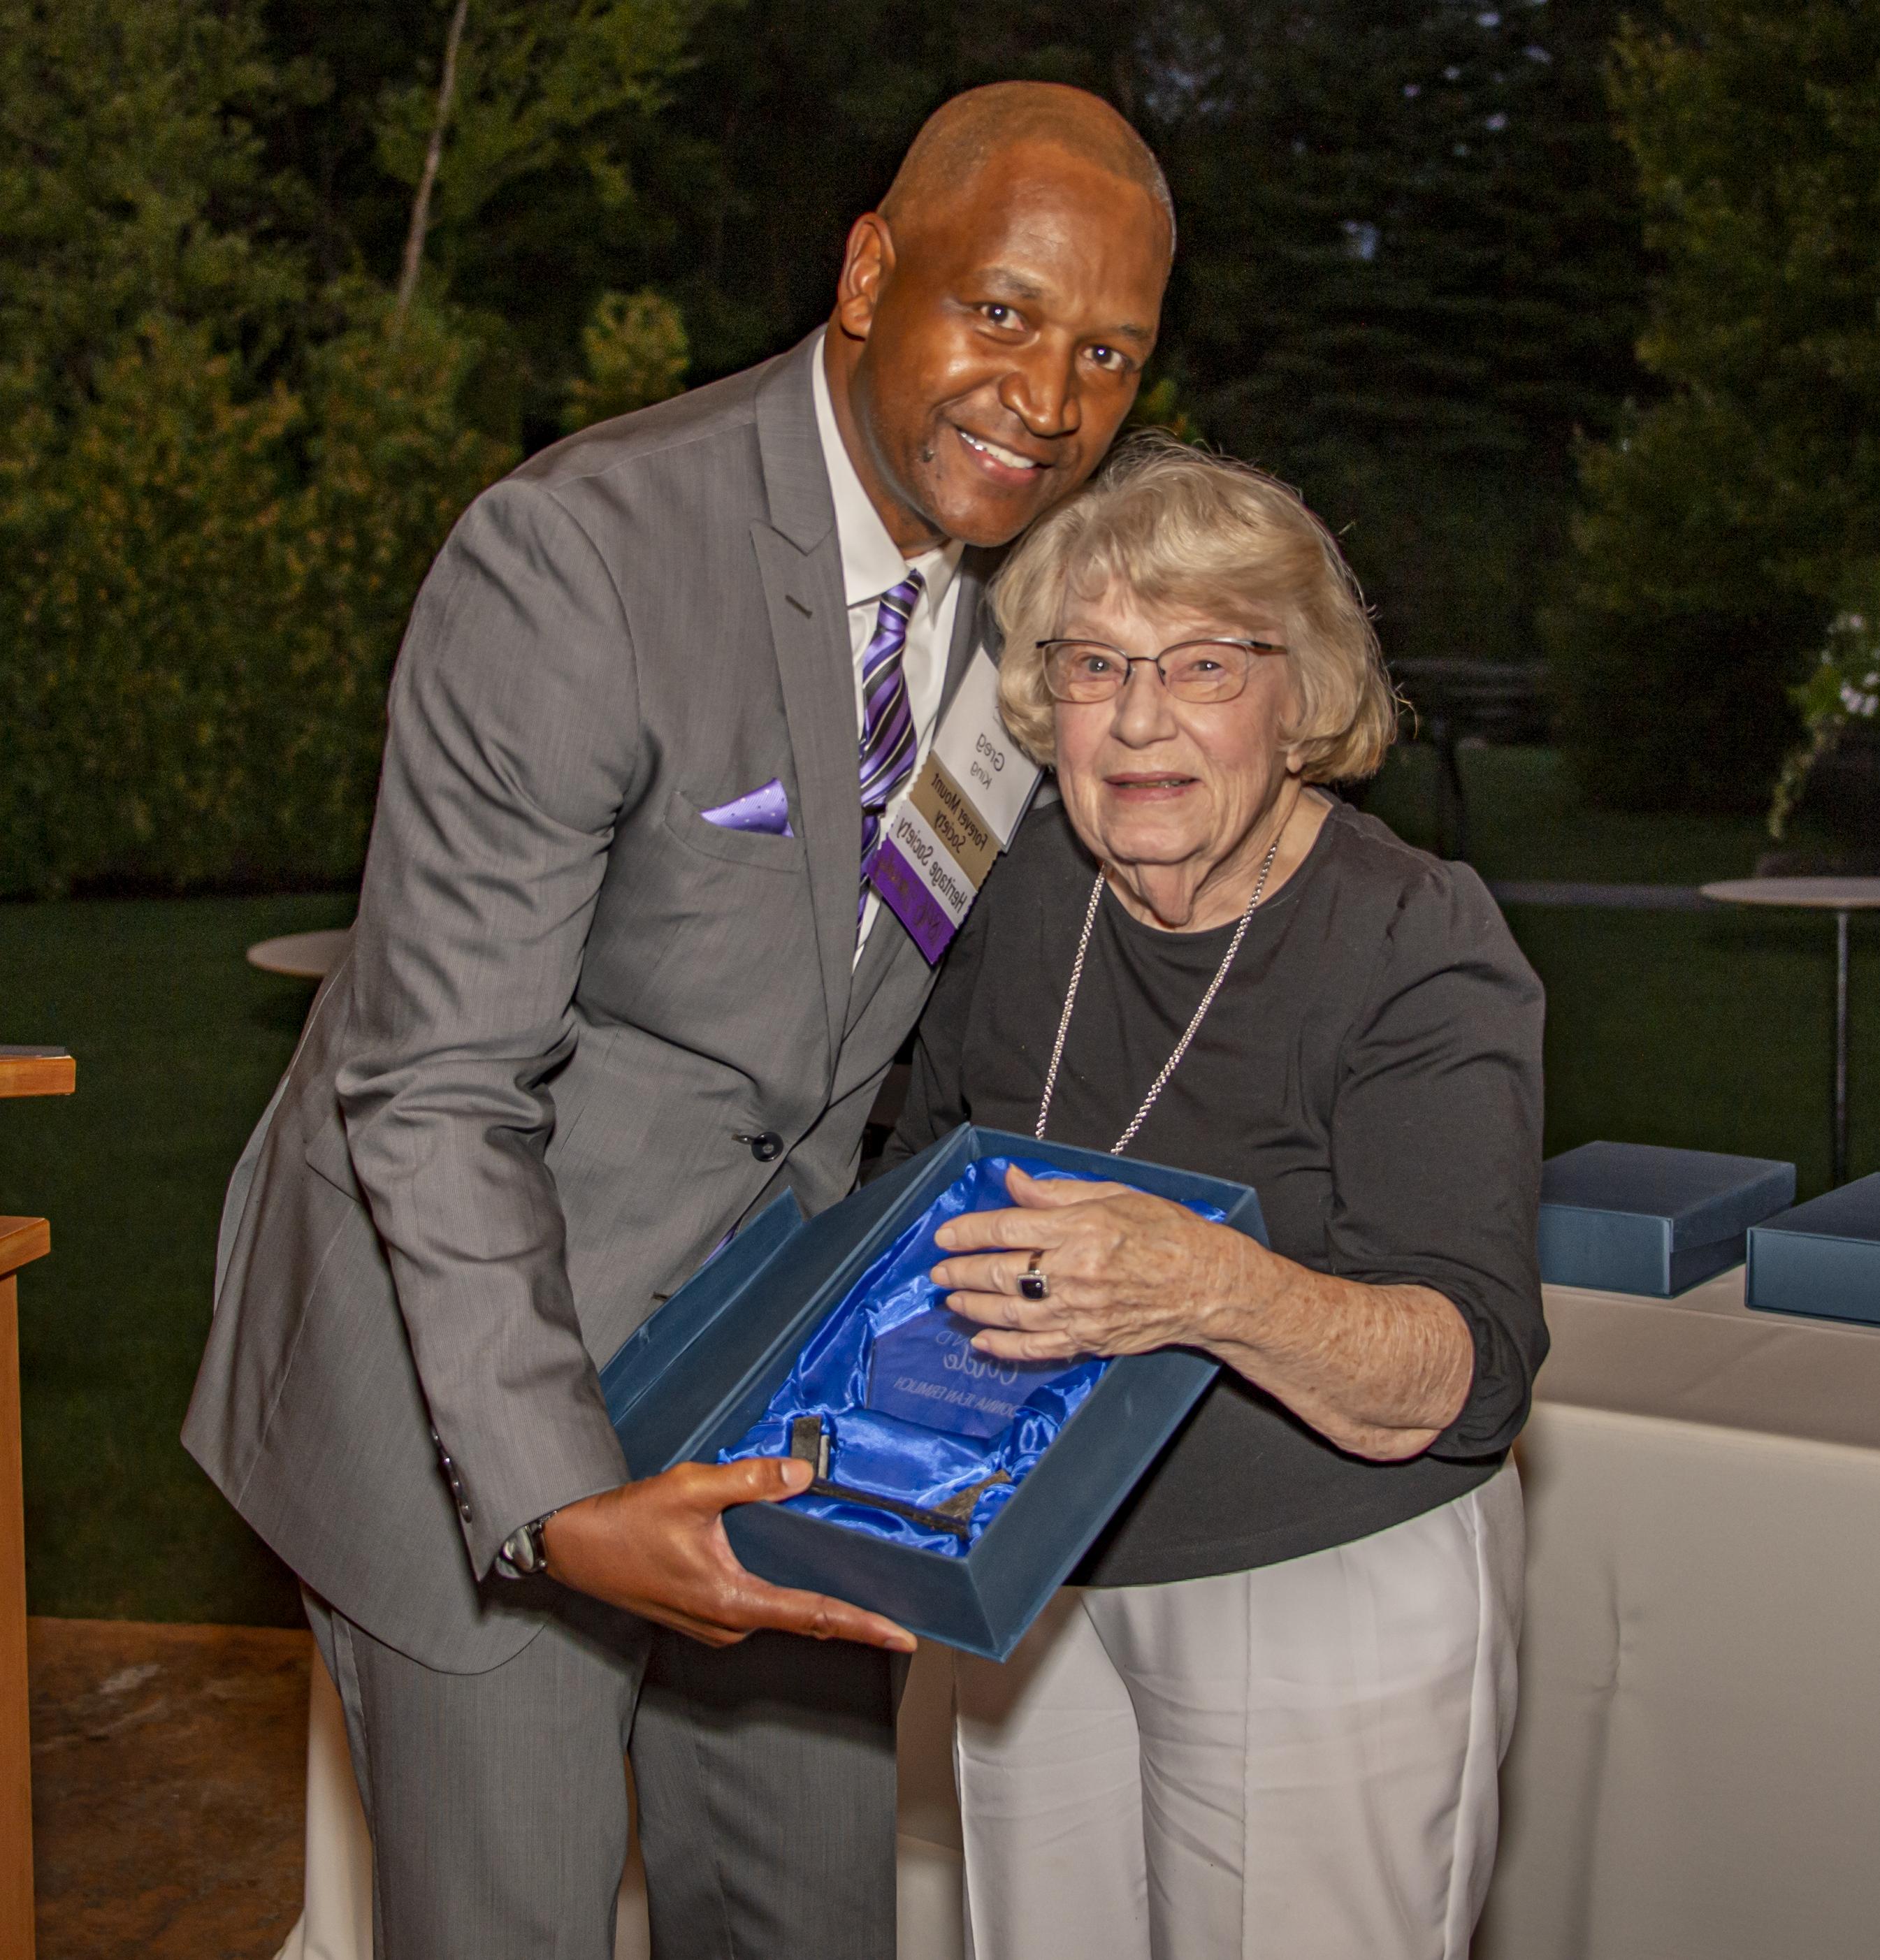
x,y
927,1371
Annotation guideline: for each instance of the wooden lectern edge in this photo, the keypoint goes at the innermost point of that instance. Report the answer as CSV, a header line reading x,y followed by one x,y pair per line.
x,y
23,1240
38,1075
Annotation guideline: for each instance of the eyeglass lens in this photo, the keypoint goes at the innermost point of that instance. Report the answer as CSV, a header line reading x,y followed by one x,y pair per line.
x,y
1200,670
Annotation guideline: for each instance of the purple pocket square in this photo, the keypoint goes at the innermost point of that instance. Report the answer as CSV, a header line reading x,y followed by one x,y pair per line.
x,y
767,810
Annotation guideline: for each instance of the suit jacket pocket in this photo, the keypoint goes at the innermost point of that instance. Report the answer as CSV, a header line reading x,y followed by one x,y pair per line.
x,y
734,847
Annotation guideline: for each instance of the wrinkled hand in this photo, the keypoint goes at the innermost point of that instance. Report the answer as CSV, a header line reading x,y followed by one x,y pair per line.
x,y
1127,1272
658,1547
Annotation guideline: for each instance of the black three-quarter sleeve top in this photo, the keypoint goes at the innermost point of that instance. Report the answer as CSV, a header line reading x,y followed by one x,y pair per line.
x,y
1371,1067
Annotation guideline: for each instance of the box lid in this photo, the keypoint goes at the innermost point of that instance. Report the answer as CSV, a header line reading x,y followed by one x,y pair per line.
x,y
1852,1212
1702,1195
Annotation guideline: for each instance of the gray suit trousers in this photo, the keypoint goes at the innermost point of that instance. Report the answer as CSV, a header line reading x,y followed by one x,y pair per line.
x,y
498,1801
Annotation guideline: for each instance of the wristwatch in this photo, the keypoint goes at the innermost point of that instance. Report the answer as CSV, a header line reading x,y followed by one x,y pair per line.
x,y
524,1551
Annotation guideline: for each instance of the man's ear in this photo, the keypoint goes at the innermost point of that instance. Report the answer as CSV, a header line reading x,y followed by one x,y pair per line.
x,y
868,264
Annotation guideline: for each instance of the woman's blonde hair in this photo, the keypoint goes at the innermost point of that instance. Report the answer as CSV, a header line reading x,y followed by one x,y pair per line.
x,y
1179,526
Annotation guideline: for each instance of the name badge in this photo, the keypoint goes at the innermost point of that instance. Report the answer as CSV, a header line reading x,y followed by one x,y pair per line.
x,y
928,1372
942,835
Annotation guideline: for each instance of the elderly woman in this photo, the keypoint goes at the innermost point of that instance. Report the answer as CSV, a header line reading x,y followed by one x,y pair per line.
x,y
1265,1716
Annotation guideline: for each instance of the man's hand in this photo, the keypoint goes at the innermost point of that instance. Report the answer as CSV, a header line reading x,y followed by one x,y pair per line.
x,y
658,1547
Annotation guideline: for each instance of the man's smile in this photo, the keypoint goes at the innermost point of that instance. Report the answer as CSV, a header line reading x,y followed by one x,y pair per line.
x,y
1001,464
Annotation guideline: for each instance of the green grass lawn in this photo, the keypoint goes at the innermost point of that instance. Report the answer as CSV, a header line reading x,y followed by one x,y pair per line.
x,y
179,1044
1524,822
1707,1029
1714,1030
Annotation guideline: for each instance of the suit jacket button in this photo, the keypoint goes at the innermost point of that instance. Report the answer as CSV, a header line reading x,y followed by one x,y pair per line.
x,y
766,1146
463,1512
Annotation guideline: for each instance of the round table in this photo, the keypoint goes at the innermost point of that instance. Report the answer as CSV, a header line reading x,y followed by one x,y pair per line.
x,y
1840,896
300,956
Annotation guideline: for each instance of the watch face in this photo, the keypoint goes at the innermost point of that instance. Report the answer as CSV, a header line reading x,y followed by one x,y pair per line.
x,y
522,1549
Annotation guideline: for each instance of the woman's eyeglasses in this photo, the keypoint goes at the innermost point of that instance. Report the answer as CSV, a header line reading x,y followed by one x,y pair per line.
x,y
1083,671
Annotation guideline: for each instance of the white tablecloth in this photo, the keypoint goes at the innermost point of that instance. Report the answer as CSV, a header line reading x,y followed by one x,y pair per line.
x,y
1696,1771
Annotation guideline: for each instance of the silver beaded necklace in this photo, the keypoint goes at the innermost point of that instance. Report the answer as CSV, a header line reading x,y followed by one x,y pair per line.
x,y
1181,1047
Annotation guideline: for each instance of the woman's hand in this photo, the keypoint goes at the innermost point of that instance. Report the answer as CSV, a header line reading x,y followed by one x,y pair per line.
x,y
1127,1272
1378,1370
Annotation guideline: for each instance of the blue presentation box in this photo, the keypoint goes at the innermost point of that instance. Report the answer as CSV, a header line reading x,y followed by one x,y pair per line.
x,y
1639,1218
700,1372
1822,1257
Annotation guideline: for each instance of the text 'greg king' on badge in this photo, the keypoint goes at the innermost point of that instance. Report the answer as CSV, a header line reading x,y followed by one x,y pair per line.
x,y
943,835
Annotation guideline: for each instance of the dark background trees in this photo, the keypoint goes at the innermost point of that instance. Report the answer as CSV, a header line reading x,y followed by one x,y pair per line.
x,y
1414,270
1410,271
1735,513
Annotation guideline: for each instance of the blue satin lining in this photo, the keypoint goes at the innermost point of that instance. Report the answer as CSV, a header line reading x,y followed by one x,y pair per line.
x,y
873,1451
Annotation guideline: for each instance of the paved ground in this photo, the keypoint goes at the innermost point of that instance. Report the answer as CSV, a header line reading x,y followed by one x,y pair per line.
x,y
168,1770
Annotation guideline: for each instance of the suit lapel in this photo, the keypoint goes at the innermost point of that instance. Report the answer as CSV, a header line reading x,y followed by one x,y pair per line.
x,y
799,561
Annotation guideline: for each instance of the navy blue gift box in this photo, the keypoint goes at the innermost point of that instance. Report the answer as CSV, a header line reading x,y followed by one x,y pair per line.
x,y
693,1379
1640,1218
1822,1257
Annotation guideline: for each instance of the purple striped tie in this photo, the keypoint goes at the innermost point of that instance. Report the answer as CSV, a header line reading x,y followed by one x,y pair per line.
x,y
887,721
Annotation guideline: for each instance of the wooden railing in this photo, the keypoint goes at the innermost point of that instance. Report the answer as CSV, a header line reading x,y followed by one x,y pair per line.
x,y
23,1072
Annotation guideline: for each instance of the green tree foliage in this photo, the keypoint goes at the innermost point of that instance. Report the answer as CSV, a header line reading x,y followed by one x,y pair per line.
x,y
1726,520
131,183
1406,223
636,354
543,203
1405,283
218,487
535,84
201,589
1404,289
1406,280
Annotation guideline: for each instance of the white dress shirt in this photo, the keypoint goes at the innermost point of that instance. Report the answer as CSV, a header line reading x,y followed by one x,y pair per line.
x,y
872,565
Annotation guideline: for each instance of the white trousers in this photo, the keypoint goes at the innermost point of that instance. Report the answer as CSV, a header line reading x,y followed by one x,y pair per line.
x,y
1297,1762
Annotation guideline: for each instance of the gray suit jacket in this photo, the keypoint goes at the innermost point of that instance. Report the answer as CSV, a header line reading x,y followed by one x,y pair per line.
x,y
511,1125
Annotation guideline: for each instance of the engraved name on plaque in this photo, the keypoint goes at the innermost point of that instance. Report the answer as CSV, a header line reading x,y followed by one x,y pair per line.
x,y
927,1371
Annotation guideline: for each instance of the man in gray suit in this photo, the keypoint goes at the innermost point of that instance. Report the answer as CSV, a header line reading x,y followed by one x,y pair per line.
x,y
606,997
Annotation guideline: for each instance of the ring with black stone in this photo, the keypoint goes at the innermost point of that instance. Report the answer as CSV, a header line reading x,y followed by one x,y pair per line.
x,y
1033,1284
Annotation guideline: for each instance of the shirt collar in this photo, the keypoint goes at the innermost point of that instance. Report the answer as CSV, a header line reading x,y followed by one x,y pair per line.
x,y
871,561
